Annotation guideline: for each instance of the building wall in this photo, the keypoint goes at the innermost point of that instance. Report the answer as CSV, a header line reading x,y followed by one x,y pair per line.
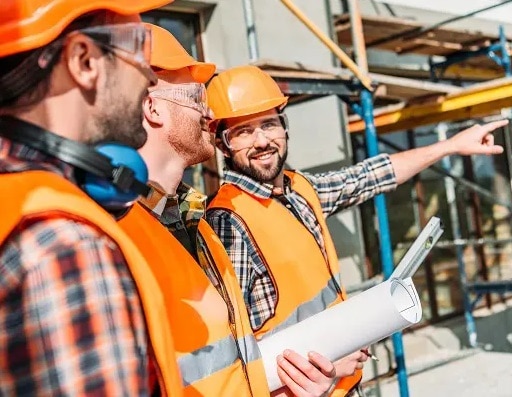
x,y
280,35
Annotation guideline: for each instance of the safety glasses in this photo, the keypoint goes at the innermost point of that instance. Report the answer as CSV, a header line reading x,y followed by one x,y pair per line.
x,y
191,95
243,135
130,42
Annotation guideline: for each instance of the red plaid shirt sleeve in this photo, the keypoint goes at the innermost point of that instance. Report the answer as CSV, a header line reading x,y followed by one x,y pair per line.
x,y
70,318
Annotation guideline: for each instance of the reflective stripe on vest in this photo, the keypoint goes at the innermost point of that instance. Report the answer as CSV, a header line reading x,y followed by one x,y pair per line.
x,y
194,366
251,351
206,350
319,303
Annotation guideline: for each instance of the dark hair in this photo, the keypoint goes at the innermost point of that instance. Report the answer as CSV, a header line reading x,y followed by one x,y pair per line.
x,y
221,126
22,81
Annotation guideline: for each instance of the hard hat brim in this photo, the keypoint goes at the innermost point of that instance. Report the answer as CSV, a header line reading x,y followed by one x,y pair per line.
x,y
200,71
46,23
169,54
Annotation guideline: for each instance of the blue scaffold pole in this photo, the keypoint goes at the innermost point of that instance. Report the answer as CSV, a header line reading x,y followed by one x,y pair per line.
x,y
386,254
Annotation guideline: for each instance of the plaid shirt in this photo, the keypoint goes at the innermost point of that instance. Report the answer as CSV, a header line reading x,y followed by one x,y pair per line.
x,y
183,210
180,214
336,190
71,321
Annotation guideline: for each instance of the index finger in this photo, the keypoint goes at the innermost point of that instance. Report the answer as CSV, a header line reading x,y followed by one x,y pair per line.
x,y
493,125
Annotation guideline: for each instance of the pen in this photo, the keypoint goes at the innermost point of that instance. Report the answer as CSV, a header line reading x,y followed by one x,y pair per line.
x,y
373,357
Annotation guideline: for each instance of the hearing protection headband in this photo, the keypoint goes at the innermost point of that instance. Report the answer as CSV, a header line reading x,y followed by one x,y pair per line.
x,y
74,153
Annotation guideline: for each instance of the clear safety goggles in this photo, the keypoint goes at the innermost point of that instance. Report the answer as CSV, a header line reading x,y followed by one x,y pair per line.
x,y
131,42
243,135
191,95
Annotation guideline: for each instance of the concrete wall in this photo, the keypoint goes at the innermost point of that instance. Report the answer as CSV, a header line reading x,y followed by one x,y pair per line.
x,y
224,36
279,34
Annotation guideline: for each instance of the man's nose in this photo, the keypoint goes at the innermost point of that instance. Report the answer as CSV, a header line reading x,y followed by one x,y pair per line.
x,y
260,139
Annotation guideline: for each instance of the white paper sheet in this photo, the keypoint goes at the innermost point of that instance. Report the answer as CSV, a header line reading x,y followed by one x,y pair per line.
x,y
347,327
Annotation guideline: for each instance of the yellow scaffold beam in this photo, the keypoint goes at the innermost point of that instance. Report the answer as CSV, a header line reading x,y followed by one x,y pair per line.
x,y
476,101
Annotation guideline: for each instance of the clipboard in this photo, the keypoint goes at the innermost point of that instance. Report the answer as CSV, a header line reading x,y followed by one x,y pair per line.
x,y
418,251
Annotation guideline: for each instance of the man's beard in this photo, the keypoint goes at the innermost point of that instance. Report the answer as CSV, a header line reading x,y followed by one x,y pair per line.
x,y
185,136
123,123
262,175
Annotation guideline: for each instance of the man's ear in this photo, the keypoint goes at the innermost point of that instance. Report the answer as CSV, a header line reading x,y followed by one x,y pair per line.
x,y
83,60
151,112
220,144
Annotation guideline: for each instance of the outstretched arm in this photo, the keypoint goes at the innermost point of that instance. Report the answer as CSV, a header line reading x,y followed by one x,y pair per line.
x,y
477,139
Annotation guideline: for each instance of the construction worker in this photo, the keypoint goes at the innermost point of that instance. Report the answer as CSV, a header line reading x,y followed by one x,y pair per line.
x,y
215,347
272,221
80,311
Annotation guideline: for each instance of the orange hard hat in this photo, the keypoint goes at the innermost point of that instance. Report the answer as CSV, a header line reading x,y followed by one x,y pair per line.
x,y
29,24
242,91
168,54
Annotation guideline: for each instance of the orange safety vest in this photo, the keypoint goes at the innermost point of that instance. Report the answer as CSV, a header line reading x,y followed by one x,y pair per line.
x,y
305,283
43,195
217,352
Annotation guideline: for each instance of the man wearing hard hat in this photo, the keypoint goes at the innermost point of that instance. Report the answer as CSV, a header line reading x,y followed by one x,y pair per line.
x,y
215,347
80,311
272,221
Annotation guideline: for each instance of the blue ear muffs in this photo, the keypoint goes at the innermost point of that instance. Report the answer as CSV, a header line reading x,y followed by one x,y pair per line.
x,y
114,175
128,166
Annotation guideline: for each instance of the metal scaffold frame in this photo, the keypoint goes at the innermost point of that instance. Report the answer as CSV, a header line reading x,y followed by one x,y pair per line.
x,y
476,101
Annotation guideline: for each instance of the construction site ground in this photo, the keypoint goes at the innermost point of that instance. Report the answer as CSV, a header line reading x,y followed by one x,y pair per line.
x,y
482,374
440,364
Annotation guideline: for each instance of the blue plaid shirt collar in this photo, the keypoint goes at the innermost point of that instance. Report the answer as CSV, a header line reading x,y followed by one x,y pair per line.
x,y
251,186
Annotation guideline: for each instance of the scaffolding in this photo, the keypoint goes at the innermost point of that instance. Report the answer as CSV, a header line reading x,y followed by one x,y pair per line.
x,y
458,48
404,104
